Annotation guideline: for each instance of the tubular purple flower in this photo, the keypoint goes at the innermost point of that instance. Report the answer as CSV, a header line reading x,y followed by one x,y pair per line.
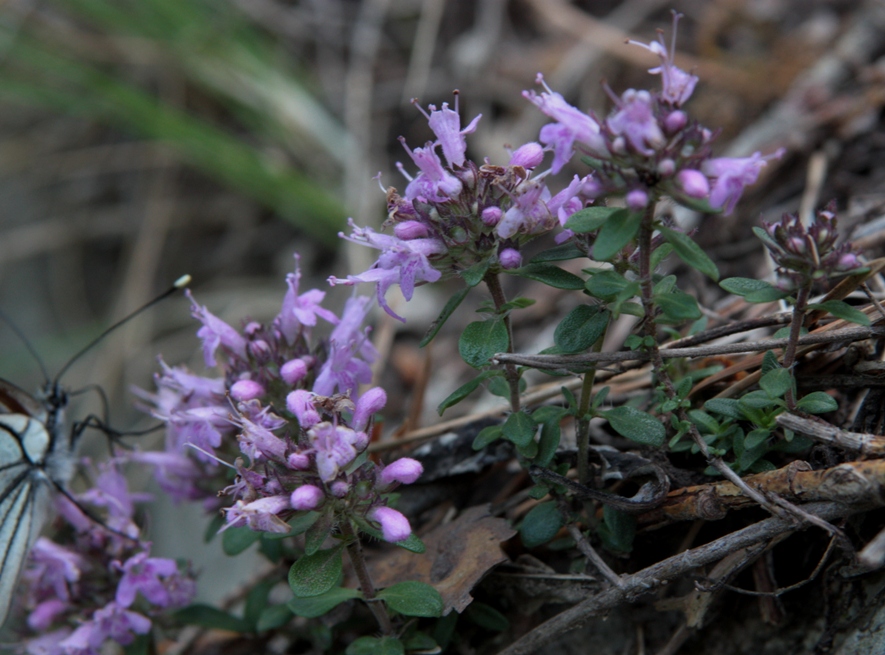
x,y
676,85
446,125
434,183
259,515
693,182
306,497
45,613
528,206
242,390
368,404
176,473
334,446
732,174
54,568
300,403
119,625
635,121
301,310
404,470
142,574
394,526
401,262
350,353
571,125
566,202
215,333
257,442
510,258
528,156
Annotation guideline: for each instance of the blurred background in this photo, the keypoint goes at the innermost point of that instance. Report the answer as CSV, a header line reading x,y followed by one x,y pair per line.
x,y
144,139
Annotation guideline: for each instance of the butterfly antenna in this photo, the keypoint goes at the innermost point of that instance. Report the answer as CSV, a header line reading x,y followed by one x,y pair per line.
x,y
179,284
21,335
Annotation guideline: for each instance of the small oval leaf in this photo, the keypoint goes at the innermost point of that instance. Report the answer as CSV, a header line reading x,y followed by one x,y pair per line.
x,y
481,340
314,575
413,598
637,425
541,524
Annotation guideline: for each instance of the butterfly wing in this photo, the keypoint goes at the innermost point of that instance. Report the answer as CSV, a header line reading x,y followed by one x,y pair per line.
x,y
24,442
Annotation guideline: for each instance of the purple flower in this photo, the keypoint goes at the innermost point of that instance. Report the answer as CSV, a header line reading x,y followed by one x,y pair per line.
x,y
45,614
571,125
528,156
368,404
142,574
242,390
306,497
301,310
54,569
408,230
334,446
637,199
434,183
216,333
732,174
300,403
176,473
111,491
394,526
85,640
677,85
405,470
259,515
350,353
118,624
257,442
510,258
491,216
401,262
635,121
446,125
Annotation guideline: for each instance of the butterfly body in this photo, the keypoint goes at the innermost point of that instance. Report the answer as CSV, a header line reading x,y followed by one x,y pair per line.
x,y
36,456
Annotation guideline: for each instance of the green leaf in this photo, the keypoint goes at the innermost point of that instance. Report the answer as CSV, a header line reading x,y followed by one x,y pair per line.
x,y
317,533
551,433
728,407
256,601
817,402
756,438
413,544
475,274
273,617
581,328
314,575
235,540
706,423
766,295
564,252
516,303
550,275
215,524
315,606
690,252
591,218
444,315
420,641
637,425
519,429
756,400
741,286
776,382
481,340
210,617
618,529
659,255
608,285
487,617
375,646
487,435
465,390
413,598
620,227
769,362
541,524
678,306
842,310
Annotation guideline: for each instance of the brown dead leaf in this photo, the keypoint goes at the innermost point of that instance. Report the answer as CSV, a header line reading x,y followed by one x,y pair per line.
x,y
458,556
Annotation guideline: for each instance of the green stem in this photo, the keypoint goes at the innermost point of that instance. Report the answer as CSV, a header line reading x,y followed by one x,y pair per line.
x,y
799,310
583,424
355,552
511,374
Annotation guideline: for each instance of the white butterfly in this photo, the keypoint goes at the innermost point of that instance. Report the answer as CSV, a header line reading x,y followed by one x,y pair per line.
x,y
37,452
36,457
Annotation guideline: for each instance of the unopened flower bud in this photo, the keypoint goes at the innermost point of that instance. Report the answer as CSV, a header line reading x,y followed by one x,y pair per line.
x,y
591,188
637,199
510,258
848,262
694,183
243,390
369,403
666,167
491,216
404,470
394,526
528,156
339,488
252,328
408,230
459,235
259,349
293,371
306,497
298,461
675,121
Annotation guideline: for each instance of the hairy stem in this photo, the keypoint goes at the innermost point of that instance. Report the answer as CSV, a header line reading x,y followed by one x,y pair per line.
x,y
355,552
511,374
795,332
